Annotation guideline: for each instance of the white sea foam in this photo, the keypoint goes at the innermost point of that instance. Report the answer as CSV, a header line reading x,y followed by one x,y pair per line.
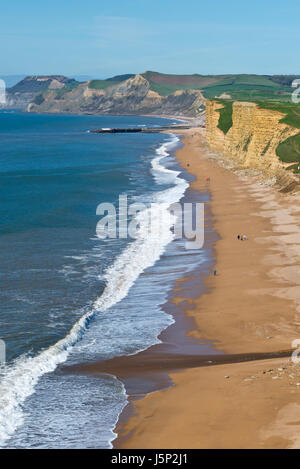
x,y
163,175
18,380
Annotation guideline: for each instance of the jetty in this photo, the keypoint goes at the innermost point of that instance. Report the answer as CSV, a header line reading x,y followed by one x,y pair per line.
x,y
144,130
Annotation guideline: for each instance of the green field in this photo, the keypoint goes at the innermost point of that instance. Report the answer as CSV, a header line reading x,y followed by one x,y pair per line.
x,y
239,87
165,85
239,92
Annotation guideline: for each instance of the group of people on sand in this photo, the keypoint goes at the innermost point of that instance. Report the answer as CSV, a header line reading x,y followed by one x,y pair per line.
x,y
242,237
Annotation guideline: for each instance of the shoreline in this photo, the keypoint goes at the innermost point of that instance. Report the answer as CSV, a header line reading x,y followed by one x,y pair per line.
x,y
268,388
176,343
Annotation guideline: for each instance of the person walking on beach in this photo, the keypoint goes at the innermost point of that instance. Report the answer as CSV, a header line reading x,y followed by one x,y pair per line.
x,y
215,272
238,236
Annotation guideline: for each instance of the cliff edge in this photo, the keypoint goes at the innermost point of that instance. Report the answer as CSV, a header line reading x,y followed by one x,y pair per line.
x,y
252,139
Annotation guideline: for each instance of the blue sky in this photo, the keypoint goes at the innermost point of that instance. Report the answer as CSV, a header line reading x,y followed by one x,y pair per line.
x,y
105,38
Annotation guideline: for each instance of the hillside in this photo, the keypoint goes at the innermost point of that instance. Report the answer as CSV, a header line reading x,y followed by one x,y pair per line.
x,y
34,84
119,96
146,93
27,90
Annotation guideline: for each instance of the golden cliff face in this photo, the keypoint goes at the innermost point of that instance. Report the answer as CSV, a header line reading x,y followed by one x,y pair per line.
x,y
253,138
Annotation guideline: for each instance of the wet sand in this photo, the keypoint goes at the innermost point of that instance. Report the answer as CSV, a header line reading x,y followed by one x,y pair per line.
x,y
251,307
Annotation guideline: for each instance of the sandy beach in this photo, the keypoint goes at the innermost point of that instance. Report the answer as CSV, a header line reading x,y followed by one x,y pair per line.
x,y
250,307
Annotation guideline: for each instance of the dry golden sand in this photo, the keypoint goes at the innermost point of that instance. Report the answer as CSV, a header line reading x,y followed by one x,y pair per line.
x,y
251,306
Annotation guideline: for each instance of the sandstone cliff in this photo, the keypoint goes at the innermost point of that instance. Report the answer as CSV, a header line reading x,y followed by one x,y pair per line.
x,y
252,140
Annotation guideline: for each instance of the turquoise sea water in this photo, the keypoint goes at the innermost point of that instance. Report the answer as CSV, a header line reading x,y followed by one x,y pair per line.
x,y
67,296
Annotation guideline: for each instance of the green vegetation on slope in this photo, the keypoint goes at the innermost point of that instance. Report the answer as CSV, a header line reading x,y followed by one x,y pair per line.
x,y
66,89
39,99
289,150
102,84
56,93
225,119
120,78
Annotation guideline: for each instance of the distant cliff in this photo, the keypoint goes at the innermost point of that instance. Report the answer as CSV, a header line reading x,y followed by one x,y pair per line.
x,y
146,93
252,139
28,89
131,96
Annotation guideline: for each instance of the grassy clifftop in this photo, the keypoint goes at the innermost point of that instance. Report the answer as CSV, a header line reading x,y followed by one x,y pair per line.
x,y
103,84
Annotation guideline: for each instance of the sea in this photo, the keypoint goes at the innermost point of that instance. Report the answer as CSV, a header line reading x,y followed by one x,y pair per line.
x,y
67,296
